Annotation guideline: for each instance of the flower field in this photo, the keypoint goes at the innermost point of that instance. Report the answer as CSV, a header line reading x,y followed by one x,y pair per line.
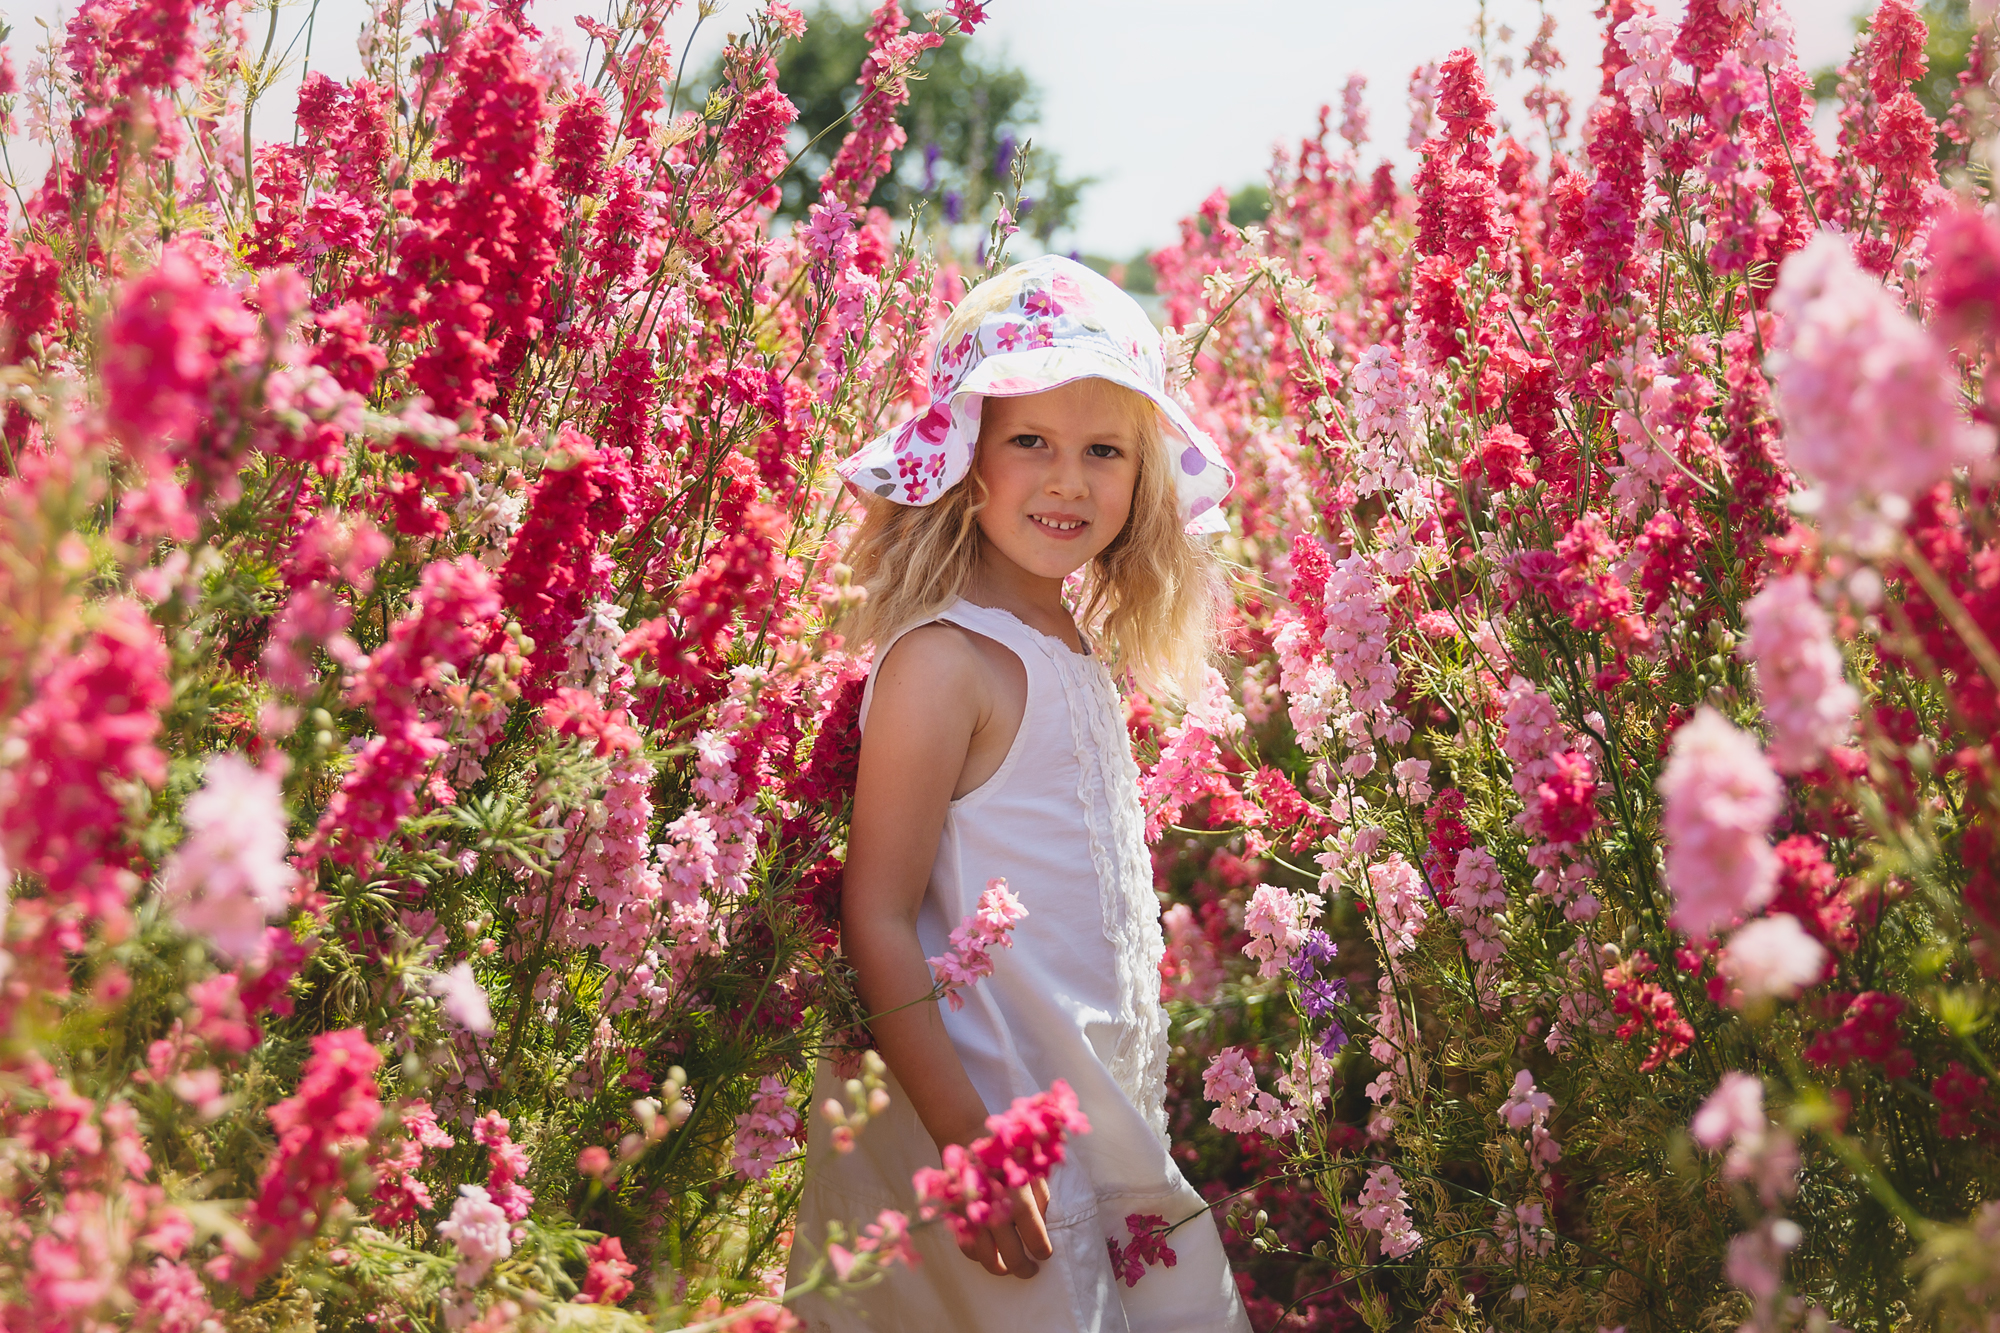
x,y
426,724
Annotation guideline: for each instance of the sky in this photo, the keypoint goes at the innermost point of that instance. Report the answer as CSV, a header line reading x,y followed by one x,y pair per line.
x,y
1161,101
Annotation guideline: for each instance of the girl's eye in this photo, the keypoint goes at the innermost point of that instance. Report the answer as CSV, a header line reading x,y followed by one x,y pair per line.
x,y
1106,451
1028,441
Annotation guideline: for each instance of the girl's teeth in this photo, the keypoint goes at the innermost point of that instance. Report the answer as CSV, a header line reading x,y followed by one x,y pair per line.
x,y
1060,527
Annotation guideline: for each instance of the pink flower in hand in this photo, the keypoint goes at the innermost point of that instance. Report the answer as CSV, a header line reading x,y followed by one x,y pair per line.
x,y
1023,1144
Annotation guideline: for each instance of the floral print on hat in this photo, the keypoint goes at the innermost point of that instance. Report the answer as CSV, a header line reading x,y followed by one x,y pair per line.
x,y
1038,325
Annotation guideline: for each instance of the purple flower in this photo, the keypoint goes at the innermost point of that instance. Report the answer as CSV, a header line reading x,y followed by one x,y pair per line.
x,y
1315,952
1319,997
1320,994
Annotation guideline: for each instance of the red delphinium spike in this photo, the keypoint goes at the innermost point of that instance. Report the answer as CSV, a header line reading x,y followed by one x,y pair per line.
x,y
30,296
1448,836
86,733
334,1110
1751,445
474,254
754,137
1147,1247
1866,1030
608,1274
449,622
506,1165
1961,1097
553,567
869,148
576,149
1710,29
1895,50
1646,1004
1457,186
399,1193
1810,890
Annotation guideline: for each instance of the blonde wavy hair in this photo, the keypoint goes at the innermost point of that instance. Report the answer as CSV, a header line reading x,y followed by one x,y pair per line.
x,y
1150,598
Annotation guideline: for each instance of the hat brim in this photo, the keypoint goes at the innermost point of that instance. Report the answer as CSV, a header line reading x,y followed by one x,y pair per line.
x,y
922,458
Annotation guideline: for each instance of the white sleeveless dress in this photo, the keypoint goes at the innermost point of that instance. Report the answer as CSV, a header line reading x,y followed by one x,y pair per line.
x,y
1076,998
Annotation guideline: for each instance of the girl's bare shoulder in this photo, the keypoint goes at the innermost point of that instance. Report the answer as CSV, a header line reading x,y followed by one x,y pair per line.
x,y
935,671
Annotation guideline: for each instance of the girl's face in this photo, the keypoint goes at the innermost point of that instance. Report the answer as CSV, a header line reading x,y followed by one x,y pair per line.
x,y
1059,468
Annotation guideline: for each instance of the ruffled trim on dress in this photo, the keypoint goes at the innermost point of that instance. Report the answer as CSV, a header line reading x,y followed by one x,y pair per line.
x,y
1108,791
1106,773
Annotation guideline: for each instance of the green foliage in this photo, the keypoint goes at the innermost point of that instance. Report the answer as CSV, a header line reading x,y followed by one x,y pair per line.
x,y
1250,204
965,112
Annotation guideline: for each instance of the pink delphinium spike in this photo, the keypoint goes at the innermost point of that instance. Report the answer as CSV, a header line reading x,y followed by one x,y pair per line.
x,y
1721,797
990,926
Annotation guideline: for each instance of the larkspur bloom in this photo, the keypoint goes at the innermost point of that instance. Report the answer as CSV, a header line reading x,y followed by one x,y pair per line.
x,y
1800,674
1231,1083
479,1231
1147,1247
1321,995
991,926
766,1132
1276,919
607,1274
399,1193
230,877
1383,1207
506,1165
1868,395
1525,1105
1772,958
1721,797
464,999
1401,905
334,1110
1759,1151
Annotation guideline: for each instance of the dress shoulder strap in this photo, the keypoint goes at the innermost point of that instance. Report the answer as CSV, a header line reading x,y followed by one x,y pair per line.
x,y
1033,647
1011,630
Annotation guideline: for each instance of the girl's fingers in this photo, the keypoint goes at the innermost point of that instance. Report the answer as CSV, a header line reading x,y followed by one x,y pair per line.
x,y
1030,1203
1012,1253
982,1251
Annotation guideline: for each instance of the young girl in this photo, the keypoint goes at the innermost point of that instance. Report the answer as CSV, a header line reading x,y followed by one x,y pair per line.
x,y
994,745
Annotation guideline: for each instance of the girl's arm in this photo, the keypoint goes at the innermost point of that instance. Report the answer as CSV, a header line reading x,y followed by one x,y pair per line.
x,y
933,707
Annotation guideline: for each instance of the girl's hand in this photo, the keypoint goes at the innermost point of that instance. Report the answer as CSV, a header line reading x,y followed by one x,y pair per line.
x,y
1012,1248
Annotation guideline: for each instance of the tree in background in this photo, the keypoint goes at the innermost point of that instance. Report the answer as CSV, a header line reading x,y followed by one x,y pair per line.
x,y
1947,51
968,116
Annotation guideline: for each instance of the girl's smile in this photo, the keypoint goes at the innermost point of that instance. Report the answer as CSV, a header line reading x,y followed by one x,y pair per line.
x,y
1063,527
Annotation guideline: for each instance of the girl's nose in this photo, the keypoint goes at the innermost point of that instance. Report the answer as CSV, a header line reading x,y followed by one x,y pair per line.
x,y
1066,474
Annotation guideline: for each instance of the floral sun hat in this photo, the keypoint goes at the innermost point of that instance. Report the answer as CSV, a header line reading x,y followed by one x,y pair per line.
x,y
1040,324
